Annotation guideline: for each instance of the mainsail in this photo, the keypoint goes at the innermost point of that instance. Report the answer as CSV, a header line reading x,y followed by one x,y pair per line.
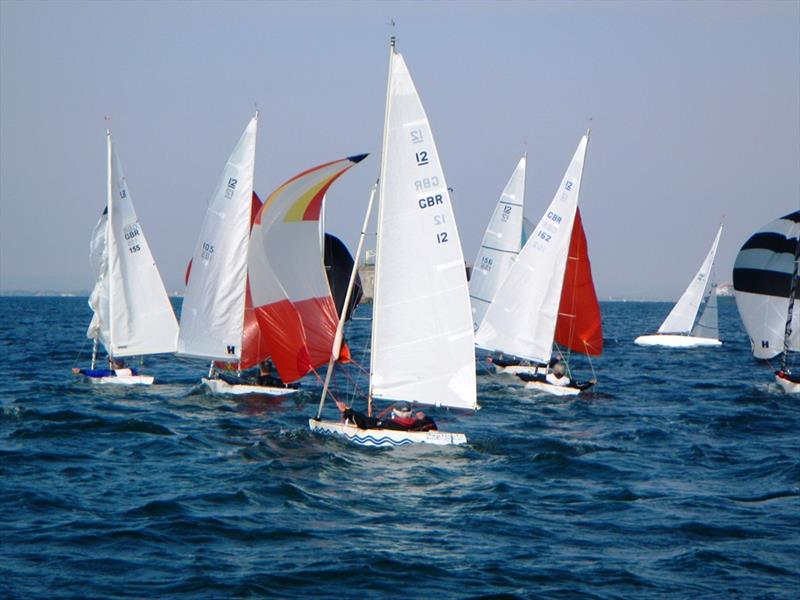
x,y
212,316
762,279
682,316
500,245
132,312
522,318
579,326
422,336
290,291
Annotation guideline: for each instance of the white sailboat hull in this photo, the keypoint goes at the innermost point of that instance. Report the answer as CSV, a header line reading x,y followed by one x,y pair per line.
x,y
555,390
790,387
123,380
218,386
386,437
675,341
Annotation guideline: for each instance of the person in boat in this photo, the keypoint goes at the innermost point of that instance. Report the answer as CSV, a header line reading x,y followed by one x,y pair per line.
x,y
401,419
794,378
265,376
114,364
557,376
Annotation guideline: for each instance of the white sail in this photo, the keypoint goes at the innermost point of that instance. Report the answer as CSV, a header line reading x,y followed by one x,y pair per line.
x,y
213,305
522,317
135,315
707,325
98,301
681,318
500,245
422,338
762,279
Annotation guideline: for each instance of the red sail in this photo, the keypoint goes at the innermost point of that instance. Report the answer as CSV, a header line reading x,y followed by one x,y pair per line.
x,y
578,326
290,289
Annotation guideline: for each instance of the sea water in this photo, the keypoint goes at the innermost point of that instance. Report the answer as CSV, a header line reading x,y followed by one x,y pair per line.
x,y
679,476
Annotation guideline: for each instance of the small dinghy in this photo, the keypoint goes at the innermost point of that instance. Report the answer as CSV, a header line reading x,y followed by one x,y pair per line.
x,y
422,335
765,281
218,385
386,437
132,312
682,328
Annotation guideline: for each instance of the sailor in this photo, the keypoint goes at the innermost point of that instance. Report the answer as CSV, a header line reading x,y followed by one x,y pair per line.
x,y
401,419
558,375
265,376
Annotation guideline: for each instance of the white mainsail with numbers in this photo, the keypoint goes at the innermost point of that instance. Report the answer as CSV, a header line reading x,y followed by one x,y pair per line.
x,y
132,312
521,320
212,317
422,336
500,246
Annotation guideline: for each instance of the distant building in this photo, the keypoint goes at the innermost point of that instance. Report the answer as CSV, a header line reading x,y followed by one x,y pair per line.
x,y
367,274
725,289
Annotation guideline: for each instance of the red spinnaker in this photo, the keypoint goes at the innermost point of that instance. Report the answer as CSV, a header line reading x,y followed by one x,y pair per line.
x,y
578,326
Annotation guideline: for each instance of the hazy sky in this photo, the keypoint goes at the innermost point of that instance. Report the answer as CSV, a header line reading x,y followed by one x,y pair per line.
x,y
694,107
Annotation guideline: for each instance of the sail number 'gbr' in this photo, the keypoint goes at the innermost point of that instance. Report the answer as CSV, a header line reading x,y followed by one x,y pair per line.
x,y
132,234
438,220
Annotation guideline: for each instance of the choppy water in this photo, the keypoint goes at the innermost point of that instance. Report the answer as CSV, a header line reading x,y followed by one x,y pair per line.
x,y
679,477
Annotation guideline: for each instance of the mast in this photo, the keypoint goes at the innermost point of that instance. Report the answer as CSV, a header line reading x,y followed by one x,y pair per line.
x,y
377,271
337,339
787,332
109,245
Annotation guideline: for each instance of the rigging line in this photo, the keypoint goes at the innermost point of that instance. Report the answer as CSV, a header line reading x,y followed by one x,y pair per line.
x,y
80,350
591,366
566,360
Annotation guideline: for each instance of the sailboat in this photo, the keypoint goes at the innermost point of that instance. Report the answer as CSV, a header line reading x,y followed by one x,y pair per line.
x,y
257,287
500,245
214,313
548,295
682,328
422,338
132,312
765,280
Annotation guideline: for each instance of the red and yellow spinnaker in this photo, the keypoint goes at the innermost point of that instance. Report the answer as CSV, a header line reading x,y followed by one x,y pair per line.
x,y
288,286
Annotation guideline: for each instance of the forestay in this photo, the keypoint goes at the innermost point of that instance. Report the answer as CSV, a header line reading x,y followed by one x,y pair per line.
x,y
500,245
133,315
681,318
422,336
522,318
213,306
762,278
